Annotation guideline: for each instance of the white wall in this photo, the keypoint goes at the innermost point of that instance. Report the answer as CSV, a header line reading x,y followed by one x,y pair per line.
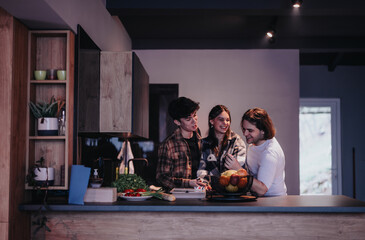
x,y
239,79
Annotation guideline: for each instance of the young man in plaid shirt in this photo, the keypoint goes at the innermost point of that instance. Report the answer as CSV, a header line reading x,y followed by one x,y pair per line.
x,y
179,154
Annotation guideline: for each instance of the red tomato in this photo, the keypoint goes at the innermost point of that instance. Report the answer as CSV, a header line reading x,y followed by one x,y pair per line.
x,y
128,191
141,190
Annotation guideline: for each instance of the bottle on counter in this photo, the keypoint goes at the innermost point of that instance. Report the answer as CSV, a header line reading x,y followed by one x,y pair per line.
x,y
96,174
96,181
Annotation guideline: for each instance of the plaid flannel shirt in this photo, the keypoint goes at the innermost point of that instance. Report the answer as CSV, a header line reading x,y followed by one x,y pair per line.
x,y
174,167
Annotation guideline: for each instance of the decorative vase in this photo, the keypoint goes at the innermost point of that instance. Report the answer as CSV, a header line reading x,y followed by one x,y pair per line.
x,y
47,126
44,176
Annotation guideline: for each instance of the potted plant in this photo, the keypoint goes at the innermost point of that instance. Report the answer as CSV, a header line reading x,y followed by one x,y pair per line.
x,y
46,114
40,178
39,175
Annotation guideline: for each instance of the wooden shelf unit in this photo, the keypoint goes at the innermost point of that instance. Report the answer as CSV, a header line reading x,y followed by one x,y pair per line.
x,y
51,50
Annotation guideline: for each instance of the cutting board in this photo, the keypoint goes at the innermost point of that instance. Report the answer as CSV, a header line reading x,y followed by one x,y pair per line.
x,y
188,193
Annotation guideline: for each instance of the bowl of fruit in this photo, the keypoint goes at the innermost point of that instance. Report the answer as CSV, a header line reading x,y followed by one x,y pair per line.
x,y
232,182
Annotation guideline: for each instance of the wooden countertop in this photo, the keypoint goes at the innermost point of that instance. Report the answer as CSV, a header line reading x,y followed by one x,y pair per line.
x,y
291,203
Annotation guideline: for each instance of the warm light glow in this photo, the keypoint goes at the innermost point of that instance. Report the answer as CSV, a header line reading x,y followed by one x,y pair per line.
x,y
270,34
297,3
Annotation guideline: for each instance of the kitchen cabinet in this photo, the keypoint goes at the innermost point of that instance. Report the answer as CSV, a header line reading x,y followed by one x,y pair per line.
x,y
119,103
51,50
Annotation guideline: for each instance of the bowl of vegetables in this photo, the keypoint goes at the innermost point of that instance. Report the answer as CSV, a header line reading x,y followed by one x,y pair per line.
x,y
135,195
132,187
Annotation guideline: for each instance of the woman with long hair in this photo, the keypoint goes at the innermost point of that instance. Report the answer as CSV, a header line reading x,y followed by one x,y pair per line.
x,y
220,143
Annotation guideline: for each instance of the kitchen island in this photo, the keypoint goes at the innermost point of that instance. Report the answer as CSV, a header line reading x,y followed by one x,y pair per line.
x,y
287,217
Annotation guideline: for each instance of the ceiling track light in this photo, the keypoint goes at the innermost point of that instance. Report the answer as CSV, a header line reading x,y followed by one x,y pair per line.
x,y
297,3
270,33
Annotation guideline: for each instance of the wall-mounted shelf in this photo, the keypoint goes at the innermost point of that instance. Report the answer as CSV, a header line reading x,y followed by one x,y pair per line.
x,y
48,81
51,50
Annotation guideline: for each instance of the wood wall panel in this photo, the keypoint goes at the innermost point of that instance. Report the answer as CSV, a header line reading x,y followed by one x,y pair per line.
x,y
115,92
122,92
19,227
51,53
140,98
13,86
4,230
6,47
70,65
205,226
89,90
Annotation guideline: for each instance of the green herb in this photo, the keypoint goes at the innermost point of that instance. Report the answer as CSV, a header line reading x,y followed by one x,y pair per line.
x,y
129,181
157,194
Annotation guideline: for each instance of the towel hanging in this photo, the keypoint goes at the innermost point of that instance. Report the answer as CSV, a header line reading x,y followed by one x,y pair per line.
x,y
126,154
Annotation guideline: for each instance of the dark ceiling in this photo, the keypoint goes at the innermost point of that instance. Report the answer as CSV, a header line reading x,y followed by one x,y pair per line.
x,y
326,32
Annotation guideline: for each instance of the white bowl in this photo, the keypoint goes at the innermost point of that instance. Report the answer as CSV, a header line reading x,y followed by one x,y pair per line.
x,y
95,185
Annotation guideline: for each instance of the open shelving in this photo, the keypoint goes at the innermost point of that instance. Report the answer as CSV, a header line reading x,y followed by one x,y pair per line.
x,y
51,50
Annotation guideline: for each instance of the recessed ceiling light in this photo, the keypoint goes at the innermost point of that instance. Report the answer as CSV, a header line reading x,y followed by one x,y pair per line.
x,y
270,33
297,3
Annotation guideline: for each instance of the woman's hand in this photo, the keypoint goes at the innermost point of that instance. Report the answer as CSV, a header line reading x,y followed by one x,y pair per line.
x,y
196,183
231,163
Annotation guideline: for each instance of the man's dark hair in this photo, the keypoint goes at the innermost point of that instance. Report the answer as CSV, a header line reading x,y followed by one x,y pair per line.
x,y
182,108
261,119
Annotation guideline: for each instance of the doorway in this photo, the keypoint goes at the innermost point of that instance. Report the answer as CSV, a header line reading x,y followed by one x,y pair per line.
x,y
320,147
161,124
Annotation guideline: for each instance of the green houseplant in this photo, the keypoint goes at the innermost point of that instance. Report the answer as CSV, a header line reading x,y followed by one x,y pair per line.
x,y
41,193
43,109
46,113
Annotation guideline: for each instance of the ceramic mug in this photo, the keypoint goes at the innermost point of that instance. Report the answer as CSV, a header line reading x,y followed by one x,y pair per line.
x,y
51,74
61,74
40,74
